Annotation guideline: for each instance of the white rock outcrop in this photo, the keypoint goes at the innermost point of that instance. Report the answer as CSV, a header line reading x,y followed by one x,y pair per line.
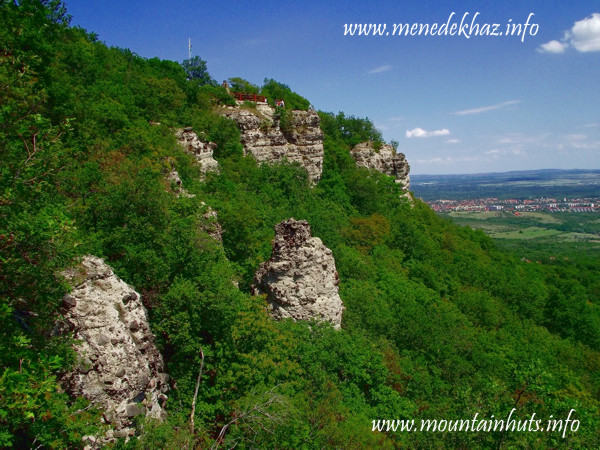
x,y
173,177
300,279
384,160
212,225
263,138
203,151
119,368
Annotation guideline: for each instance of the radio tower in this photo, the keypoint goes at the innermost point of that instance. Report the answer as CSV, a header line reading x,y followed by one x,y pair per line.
x,y
189,48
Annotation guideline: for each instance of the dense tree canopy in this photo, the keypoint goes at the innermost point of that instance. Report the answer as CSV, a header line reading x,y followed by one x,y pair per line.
x,y
439,322
238,84
195,69
274,91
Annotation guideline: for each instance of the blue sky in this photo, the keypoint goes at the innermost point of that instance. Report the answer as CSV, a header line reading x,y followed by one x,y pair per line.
x,y
456,105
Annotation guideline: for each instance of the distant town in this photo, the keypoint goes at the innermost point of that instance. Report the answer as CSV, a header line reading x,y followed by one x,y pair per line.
x,y
578,205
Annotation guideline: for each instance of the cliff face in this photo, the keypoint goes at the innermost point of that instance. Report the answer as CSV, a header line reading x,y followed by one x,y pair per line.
x,y
119,368
386,160
300,279
263,138
203,151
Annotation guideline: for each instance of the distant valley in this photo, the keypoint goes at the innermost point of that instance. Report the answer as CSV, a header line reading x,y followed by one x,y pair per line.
x,y
538,213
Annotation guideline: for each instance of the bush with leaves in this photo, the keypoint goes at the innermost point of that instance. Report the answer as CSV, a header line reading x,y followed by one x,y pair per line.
x,y
274,91
196,71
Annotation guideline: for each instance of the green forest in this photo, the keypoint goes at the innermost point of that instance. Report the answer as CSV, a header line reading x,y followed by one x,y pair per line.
x,y
440,322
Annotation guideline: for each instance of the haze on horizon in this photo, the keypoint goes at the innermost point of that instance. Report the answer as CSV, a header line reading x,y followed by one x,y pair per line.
x,y
456,105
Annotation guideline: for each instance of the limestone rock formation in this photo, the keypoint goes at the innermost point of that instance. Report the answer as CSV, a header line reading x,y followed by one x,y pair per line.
x,y
119,368
300,279
173,176
177,184
263,138
386,160
212,226
203,151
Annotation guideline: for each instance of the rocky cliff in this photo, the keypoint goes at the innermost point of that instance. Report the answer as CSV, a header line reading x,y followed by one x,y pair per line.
x,y
119,369
300,279
263,137
203,151
384,160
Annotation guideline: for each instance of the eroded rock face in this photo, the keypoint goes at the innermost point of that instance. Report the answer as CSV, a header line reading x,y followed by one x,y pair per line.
x,y
203,151
212,226
173,176
300,279
386,160
119,368
177,184
263,138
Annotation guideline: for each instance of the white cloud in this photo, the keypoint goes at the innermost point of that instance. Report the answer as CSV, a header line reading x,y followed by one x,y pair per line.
x,y
421,133
503,152
486,108
516,140
453,141
520,139
437,160
553,47
579,142
448,160
380,69
595,145
584,36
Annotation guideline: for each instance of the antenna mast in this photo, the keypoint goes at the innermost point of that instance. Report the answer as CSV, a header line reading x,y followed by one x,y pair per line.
x,y
189,48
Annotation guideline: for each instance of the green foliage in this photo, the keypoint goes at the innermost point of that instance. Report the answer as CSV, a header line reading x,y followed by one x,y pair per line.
x,y
196,71
33,409
366,233
274,91
162,99
286,120
220,130
240,85
351,130
208,96
439,322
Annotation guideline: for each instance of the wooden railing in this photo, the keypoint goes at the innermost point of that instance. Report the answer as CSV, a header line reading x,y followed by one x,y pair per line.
x,y
249,97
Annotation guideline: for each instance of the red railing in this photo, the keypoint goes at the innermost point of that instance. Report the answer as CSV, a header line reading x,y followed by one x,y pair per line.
x,y
249,97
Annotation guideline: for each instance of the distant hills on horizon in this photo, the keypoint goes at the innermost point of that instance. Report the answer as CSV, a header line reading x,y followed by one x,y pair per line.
x,y
528,172
570,183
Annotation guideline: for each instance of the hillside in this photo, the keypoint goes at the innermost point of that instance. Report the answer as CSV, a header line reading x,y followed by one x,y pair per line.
x,y
438,323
